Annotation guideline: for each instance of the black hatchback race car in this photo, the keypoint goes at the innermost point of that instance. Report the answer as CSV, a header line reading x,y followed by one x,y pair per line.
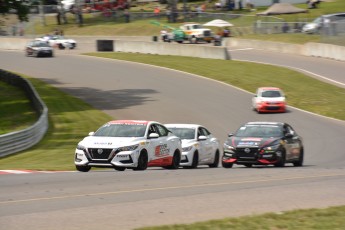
x,y
263,143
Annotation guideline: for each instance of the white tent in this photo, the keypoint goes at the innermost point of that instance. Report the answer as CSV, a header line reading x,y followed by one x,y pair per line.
x,y
218,23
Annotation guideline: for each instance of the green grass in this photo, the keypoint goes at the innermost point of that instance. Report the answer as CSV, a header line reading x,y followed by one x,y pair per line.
x,y
15,109
309,219
70,119
313,95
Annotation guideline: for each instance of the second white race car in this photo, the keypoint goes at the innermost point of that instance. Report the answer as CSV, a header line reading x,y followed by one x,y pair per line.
x,y
199,146
59,41
134,144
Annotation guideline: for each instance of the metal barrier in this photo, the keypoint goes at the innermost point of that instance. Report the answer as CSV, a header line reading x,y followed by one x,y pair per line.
x,y
20,140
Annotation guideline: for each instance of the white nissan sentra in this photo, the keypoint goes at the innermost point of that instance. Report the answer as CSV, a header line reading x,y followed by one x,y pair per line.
x,y
199,146
133,144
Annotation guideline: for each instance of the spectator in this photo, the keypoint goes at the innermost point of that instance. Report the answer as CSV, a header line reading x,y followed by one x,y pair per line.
x,y
127,16
285,27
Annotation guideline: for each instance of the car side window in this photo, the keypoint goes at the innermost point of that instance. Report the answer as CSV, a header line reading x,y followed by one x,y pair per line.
x,y
206,132
152,129
162,131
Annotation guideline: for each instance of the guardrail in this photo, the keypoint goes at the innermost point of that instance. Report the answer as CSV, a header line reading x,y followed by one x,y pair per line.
x,y
20,140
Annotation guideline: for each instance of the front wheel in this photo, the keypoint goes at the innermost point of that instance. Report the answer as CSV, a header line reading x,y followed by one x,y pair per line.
x,y
142,161
82,168
227,165
215,162
281,161
195,160
117,168
299,163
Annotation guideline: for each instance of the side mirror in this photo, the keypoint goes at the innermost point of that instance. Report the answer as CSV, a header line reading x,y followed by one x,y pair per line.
x,y
202,138
230,134
153,135
91,133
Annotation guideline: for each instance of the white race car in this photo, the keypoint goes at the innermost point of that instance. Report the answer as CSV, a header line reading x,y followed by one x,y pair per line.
x,y
59,41
134,144
199,146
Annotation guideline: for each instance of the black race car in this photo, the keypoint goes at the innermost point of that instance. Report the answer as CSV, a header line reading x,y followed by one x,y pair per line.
x,y
263,143
39,49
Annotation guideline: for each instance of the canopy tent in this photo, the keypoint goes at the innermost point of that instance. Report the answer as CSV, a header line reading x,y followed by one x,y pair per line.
x,y
282,8
218,23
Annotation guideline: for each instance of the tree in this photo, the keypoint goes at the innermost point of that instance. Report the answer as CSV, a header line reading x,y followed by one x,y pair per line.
x,y
19,7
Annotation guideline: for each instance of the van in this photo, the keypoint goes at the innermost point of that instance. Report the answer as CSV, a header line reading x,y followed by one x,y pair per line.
x,y
316,25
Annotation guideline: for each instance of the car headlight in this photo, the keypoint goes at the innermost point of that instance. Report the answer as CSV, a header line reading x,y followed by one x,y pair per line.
x,y
128,148
272,147
80,147
229,148
186,149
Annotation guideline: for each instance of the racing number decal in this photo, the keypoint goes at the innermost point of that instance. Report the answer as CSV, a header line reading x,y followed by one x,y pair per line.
x,y
162,150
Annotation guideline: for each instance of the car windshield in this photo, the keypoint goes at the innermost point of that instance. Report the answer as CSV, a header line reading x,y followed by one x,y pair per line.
x,y
184,133
259,131
271,93
121,130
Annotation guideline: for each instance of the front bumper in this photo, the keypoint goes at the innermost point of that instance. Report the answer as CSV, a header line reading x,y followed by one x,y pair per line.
x,y
270,107
254,157
187,158
107,158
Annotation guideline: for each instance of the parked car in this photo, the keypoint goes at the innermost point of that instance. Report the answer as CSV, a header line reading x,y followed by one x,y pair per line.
x,y
263,143
39,49
133,144
59,41
199,146
269,99
317,24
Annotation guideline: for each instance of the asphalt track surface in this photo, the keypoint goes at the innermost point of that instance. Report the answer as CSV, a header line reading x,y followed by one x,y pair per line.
x,y
109,199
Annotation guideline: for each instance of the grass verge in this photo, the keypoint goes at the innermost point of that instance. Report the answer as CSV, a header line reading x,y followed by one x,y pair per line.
x,y
15,109
70,119
308,219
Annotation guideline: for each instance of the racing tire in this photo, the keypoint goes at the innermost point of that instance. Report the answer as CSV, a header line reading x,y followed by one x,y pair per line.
x,y
142,162
117,168
248,165
216,161
299,163
227,165
175,164
61,47
83,168
281,161
195,161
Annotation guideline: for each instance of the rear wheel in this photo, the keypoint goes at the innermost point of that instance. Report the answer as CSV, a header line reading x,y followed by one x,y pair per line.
x,y
176,161
216,161
299,163
83,168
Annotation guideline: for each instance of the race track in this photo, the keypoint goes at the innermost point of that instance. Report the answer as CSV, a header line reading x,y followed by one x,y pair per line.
x,y
124,200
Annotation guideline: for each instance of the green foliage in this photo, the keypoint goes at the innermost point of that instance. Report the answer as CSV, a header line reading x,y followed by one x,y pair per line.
x,y
20,7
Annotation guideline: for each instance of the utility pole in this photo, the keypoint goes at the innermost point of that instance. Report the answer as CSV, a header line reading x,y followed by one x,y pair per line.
x,y
41,11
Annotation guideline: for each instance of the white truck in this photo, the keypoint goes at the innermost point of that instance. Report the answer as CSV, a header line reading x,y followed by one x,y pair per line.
x,y
195,32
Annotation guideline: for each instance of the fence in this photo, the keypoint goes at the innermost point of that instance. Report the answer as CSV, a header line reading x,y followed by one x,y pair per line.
x,y
20,140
